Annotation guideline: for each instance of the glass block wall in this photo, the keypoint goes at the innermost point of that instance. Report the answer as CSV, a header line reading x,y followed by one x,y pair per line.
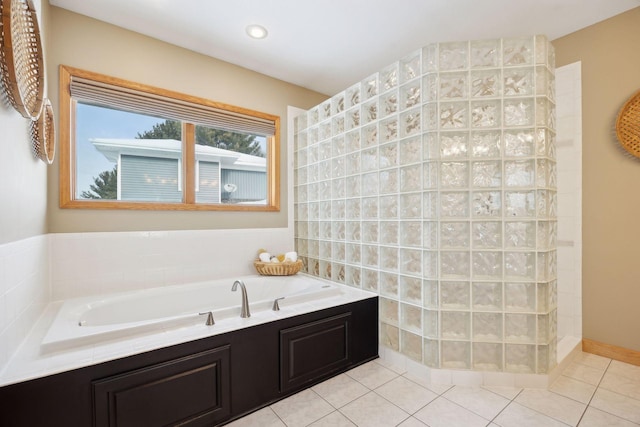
x,y
432,183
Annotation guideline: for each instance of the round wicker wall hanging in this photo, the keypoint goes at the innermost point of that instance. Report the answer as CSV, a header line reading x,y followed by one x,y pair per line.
x,y
628,125
21,57
43,134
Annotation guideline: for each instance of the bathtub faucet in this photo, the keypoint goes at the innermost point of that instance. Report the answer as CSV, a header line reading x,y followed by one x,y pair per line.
x,y
244,311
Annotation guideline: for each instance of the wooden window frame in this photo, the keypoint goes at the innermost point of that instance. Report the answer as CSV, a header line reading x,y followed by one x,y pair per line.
x,y
67,152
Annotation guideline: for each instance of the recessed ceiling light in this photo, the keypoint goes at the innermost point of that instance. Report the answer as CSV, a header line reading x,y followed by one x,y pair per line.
x,y
257,31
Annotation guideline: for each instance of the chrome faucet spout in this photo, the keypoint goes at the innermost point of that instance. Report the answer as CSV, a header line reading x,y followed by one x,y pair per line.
x,y
244,310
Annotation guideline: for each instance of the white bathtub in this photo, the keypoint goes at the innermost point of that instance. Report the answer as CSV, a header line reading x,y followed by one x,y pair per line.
x,y
93,319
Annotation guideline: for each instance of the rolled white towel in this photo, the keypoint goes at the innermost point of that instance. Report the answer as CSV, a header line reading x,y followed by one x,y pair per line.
x,y
265,257
291,256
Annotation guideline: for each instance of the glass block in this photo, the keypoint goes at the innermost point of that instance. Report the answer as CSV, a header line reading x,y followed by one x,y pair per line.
x,y
411,318
338,209
370,255
411,205
520,328
312,154
300,122
390,336
324,110
519,143
543,335
430,146
430,234
454,204
485,53
313,247
430,117
410,261
338,147
520,203
543,237
519,112
314,211
520,297
520,234
338,272
519,81
388,258
302,194
455,354
369,136
411,233
325,209
454,264
454,174
487,327
352,184
352,141
519,173
411,345
411,291
388,154
541,49
389,77
454,115
338,167
453,85
338,230
389,206
430,58
369,231
410,122
454,144
353,231
337,103
454,235
312,136
369,88
546,265
545,143
544,362
486,83
430,264
430,87
324,150
338,189
389,310
353,253
370,280
352,118
545,113
543,297
545,83
388,103
431,353
520,358
389,129
486,143
352,94
409,95
487,296
370,111
313,267
370,183
324,173
487,174
486,113
487,356
519,265
430,293
454,295
486,204
388,181
410,150
389,285
453,55
546,173
325,230
517,51
430,175
487,265
324,131
370,208
455,325
389,232
369,159
410,66
411,178
486,234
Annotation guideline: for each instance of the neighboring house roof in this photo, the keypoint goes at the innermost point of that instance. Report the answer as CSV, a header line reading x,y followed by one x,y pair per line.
x,y
112,148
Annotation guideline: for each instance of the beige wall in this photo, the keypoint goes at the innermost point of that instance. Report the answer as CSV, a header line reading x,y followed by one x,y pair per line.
x,y
23,178
610,56
92,45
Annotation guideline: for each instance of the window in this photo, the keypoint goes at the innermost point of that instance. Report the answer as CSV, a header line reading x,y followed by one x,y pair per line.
x,y
125,145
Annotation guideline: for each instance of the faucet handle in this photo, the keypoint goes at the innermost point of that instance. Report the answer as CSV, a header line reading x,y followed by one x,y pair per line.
x,y
210,320
276,306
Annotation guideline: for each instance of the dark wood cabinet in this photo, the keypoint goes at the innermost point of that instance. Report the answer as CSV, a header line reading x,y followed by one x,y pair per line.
x,y
206,382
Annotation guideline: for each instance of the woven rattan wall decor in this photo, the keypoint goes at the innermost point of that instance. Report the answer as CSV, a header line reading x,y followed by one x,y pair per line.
x,y
21,60
43,135
628,125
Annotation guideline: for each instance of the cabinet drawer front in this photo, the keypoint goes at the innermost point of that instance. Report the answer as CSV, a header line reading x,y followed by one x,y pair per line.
x,y
314,349
189,391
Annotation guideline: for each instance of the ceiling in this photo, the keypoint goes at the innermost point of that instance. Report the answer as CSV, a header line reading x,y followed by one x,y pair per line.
x,y
328,45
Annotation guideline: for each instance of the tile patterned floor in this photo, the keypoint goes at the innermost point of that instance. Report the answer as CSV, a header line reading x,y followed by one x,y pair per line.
x,y
592,392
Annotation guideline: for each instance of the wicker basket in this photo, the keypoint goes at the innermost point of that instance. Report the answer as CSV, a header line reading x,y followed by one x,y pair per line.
x,y
628,125
277,268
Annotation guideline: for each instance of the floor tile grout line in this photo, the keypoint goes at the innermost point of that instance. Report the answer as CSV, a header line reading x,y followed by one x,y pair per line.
x,y
432,391
493,420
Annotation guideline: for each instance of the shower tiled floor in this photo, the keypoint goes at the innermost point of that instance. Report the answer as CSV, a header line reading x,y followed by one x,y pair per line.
x,y
591,392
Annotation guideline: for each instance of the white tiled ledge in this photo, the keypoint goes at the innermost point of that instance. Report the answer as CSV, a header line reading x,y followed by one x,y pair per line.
x,y
568,348
30,361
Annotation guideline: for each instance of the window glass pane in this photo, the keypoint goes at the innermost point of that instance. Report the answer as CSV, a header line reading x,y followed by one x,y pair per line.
x,y
231,167
127,156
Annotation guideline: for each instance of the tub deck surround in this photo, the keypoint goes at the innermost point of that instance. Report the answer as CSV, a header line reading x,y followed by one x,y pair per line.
x,y
34,360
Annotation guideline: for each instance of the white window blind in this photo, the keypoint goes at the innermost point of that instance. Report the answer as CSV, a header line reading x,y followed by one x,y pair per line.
x,y
128,99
